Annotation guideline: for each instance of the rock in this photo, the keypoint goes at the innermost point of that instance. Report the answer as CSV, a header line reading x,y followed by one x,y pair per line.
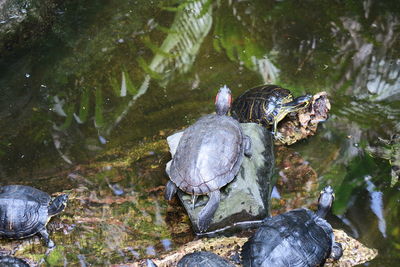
x,y
245,200
354,252
21,21
12,13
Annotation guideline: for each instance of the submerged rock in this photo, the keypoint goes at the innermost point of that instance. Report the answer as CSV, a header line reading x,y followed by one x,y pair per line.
x,y
389,150
245,200
23,19
12,13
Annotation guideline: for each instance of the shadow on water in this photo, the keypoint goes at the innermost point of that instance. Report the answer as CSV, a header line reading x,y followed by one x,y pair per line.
x,y
87,104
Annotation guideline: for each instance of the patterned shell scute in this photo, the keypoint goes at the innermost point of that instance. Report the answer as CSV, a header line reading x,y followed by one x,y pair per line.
x,y
296,238
203,259
208,155
8,261
23,211
257,104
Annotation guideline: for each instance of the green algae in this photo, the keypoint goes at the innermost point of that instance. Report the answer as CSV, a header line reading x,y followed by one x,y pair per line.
x,y
92,44
101,225
56,257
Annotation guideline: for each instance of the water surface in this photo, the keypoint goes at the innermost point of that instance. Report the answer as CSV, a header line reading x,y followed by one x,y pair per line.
x,y
89,102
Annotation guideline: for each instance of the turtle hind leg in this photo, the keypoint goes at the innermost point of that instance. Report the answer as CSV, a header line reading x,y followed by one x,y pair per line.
x,y
58,205
207,213
247,145
170,190
45,236
336,251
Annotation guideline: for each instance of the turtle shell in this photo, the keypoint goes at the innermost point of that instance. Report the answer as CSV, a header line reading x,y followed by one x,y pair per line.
x,y
260,104
203,259
295,238
8,261
23,211
209,155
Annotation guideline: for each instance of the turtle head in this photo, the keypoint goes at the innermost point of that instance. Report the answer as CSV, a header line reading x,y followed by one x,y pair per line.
x,y
285,108
58,204
297,103
325,201
223,100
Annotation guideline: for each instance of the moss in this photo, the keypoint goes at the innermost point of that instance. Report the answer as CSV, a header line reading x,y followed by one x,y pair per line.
x,y
56,257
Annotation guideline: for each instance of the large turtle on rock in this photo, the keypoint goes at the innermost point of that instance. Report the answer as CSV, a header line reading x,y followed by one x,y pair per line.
x,y
208,157
25,211
298,238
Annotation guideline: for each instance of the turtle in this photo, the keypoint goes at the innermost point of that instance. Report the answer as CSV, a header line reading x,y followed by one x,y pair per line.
x,y
296,238
203,259
208,157
25,211
8,261
267,105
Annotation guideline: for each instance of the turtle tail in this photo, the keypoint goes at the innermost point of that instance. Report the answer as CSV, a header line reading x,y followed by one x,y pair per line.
x,y
58,204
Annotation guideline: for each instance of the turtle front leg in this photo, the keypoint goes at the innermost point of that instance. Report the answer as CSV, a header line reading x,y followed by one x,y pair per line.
x,y
170,190
276,134
336,251
45,236
207,213
247,146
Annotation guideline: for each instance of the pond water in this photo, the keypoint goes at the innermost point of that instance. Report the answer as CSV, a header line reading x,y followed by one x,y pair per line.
x,y
86,105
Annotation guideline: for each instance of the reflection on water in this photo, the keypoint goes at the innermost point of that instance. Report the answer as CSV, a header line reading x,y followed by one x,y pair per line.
x,y
376,204
369,64
107,83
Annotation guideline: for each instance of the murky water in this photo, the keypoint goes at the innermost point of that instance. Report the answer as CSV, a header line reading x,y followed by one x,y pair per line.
x,y
89,102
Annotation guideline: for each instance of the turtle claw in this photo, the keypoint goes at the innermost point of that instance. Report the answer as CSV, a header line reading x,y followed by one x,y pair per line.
x,y
203,225
336,251
50,244
278,136
46,238
247,146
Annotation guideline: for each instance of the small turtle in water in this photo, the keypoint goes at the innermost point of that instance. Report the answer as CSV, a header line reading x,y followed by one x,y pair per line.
x,y
25,211
296,238
267,105
208,157
203,259
8,261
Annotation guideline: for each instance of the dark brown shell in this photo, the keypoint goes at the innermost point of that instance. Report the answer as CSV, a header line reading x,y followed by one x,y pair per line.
x,y
209,155
8,261
203,259
23,211
295,238
260,104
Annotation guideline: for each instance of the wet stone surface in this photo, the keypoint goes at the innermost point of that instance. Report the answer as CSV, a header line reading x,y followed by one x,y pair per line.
x,y
246,198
